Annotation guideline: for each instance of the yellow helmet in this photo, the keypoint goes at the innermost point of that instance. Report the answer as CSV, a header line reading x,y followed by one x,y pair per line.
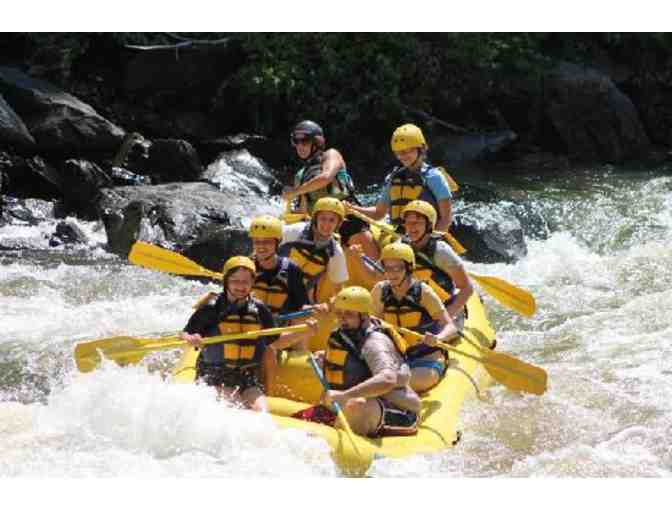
x,y
265,227
408,136
355,299
329,204
239,261
399,251
421,207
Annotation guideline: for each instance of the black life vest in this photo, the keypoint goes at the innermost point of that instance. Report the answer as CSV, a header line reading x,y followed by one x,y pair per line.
x,y
438,280
233,318
271,287
405,186
305,253
344,365
409,313
341,187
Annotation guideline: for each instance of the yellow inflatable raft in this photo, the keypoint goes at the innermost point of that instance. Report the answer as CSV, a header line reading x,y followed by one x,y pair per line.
x,y
298,388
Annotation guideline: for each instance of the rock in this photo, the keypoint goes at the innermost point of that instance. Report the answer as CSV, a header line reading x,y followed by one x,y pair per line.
x,y
82,180
593,119
490,234
456,151
67,232
29,211
12,129
30,177
275,153
58,121
174,160
176,216
213,250
238,169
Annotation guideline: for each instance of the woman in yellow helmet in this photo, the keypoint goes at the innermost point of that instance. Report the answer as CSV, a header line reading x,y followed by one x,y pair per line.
x,y
401,300
366,371
414,179
436,262
324,174
314,247
233,367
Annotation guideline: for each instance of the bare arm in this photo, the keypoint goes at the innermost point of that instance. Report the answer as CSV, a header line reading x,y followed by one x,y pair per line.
x,y
445,216
462,282
376,212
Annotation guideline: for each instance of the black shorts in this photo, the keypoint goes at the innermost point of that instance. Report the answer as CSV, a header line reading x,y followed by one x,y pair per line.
x,y
395,421
351,226
221,375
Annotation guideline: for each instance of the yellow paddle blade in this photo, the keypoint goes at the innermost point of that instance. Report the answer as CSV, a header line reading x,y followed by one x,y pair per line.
x,y
509,371
157,258
290,218
509,295
126,350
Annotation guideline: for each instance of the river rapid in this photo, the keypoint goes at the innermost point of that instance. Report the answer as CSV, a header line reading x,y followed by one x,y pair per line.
x,y
599,266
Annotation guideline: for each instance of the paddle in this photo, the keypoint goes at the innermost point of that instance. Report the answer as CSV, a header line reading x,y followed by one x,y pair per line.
x,y
128,350
511,372
509,295
160,259
339,411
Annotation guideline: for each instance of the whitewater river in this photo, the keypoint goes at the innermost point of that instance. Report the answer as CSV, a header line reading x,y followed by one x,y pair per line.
x,y
602,277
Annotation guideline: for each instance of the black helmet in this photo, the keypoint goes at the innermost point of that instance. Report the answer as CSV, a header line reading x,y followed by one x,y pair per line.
x,y
311,130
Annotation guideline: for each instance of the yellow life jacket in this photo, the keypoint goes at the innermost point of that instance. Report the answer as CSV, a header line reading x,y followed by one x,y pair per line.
x,y
244,353
408,185
311,259
438,280
344,366
273,291
407,312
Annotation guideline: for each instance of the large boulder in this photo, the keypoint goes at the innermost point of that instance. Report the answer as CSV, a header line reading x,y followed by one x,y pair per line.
x,y
30,177
173,160
58,121
490,233
459,150
81,181
12,129
593,119
177,215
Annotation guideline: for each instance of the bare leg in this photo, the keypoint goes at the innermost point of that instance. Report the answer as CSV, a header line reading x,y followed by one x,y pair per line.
x,y
363,415
423,379
270,369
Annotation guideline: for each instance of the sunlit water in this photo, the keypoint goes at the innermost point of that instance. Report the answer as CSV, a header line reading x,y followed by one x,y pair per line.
x,y
602,278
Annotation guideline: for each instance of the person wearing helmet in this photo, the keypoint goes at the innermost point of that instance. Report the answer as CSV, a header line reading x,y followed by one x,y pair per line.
x,y
233,367
324,174
365,368
436,262
314,247
279,281
401,300
414,179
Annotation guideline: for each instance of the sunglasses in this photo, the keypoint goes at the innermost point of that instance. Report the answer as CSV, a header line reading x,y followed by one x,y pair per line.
x,y
299,140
